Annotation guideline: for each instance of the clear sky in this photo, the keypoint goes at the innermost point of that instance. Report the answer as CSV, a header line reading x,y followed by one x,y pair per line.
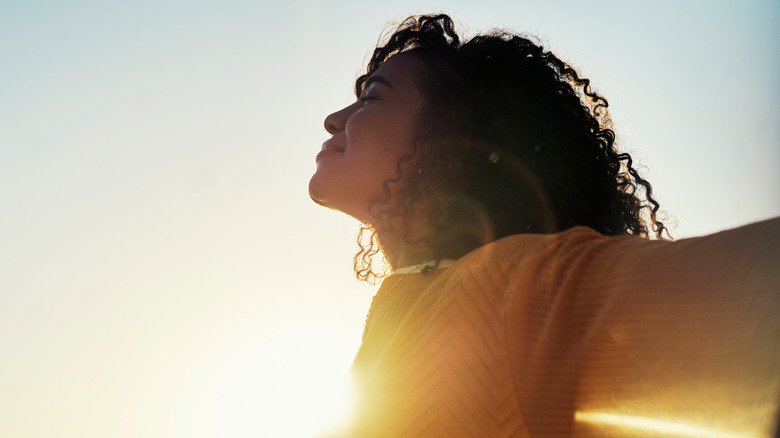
x,y
163,272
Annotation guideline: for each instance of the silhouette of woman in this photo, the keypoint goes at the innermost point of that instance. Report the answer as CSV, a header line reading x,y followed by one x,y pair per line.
x,y
532,290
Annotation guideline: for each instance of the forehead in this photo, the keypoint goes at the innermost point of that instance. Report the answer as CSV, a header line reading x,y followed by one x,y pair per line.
x,y
402,70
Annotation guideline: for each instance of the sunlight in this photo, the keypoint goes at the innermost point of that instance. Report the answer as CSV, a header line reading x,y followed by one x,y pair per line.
x,y
653,425
288,385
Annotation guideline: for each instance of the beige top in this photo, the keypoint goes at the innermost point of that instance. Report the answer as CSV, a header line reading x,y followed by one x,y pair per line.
x,y
576,334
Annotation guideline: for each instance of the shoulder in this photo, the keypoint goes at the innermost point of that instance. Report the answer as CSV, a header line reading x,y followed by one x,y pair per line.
x,y
518,247
495,270
583,247
510,255
581,259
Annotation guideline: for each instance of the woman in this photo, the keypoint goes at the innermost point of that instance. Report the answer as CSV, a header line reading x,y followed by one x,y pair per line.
x,y
485,173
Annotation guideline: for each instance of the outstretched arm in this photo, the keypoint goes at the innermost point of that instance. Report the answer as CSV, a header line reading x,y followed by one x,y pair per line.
x,y
629,337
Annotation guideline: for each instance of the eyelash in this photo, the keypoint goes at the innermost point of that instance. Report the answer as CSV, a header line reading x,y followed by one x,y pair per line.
x,y
366,98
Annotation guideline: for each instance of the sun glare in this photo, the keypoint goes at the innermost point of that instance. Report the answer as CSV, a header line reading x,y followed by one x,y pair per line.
x,y
653,425
290,384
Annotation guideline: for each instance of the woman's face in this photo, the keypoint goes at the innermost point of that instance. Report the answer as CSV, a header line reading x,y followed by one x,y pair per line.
x,y
368,138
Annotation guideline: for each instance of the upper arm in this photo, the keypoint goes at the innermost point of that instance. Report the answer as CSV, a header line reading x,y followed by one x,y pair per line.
x,y
683,331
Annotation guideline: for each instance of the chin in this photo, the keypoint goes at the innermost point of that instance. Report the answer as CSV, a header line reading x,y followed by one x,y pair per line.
x,y
321,193
315,191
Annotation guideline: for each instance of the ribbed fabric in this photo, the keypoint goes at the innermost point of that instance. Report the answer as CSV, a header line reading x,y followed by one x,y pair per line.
x,y
574,333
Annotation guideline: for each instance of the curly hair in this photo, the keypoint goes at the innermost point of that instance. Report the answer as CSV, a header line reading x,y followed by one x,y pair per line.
x,y
512,140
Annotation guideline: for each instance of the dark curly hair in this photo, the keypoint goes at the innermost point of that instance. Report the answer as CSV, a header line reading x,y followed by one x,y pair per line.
x,y
512,140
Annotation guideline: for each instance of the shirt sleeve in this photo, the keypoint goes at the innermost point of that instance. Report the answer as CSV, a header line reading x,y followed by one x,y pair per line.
x,y
629,337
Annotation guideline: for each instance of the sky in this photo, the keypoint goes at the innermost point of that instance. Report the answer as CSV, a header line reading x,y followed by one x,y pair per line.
x,y
163,272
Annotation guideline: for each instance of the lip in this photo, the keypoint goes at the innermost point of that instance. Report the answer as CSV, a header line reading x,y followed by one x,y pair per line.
x,y
323,154
329,148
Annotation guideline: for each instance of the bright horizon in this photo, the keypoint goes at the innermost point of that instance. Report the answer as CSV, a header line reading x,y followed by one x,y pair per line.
x,y
163,272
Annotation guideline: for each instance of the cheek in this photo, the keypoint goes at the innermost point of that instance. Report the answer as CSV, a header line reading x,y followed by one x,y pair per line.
x,y
376,149
351,181
387,139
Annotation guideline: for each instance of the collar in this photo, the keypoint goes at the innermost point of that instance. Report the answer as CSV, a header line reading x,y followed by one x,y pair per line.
x,y
418,268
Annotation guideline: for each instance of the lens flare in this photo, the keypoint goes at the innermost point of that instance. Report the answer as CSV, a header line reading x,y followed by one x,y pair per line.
x,y
654,425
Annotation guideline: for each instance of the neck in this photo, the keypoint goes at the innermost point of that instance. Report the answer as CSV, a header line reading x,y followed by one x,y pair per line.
x,y
401,254
408,257
402,241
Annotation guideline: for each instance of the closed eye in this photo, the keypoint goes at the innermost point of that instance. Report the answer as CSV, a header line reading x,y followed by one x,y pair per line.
x,y
366,98
371,83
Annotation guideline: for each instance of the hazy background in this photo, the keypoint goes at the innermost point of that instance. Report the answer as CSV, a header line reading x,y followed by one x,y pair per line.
x,y
163,272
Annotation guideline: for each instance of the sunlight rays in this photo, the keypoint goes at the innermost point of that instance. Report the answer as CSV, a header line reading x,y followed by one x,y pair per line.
x,y
654,425
287,385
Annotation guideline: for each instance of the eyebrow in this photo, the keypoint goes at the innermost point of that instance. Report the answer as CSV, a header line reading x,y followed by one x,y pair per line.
x,y
378,79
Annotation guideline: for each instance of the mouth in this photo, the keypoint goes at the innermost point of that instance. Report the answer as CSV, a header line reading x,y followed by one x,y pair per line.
x,y
329,148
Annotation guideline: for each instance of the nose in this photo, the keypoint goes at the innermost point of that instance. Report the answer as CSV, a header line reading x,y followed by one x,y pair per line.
x,y
336,122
